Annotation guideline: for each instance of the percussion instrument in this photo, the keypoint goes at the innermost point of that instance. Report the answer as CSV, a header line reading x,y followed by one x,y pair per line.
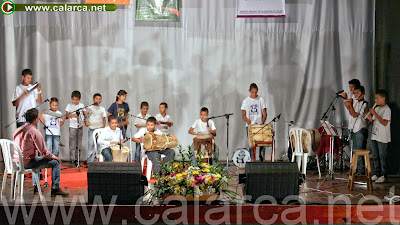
x,y
116,152
205,143
51,113
315,141
153,142
241,157
35,85
260,133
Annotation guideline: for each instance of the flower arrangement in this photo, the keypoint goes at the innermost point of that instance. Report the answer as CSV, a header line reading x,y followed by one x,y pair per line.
x,y
190,180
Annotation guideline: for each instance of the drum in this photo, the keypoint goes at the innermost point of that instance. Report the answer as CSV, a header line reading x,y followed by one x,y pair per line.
x,y
153,142
205,143
241,157
315,141
116,152
260,133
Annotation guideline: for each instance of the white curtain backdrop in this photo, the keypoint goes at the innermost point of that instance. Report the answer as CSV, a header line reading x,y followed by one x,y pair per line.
x,y
208,59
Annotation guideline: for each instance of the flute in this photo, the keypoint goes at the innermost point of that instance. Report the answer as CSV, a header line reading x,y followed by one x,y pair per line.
x,y
370,112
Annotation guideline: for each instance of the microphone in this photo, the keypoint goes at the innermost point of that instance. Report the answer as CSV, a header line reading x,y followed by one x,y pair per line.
x,y
339,92
47,100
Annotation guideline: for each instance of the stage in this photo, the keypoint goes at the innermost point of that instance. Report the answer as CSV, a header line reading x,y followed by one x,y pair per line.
x,y
321,201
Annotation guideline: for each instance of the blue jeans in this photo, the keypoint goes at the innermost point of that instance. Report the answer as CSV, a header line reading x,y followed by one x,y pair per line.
x,y
108,157
20,124
379,153
41,162
52,143
262,149
91,155
359,140
137,152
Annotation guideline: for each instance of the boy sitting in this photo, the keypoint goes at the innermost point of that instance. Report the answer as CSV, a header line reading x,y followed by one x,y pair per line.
x,y
154,156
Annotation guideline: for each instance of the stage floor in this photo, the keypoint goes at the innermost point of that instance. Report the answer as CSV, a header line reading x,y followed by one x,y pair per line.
x,y
313,191
323,201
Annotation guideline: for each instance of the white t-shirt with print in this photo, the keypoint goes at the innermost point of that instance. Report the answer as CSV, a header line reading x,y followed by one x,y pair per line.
x,y
27,102
201,127
164,128
53,123
254,108
379,132
95,115
73,122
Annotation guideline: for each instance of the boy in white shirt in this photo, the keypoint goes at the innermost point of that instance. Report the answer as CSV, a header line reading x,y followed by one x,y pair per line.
x,y
75,129
254,111
380,118
164,121
358,125
140,124
110,136
22,100
154,156
96,118
53,124
348,97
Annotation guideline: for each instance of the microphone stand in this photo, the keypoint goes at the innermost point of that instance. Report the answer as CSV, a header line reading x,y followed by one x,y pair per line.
x,y
132,155
24,114
77,112
227,135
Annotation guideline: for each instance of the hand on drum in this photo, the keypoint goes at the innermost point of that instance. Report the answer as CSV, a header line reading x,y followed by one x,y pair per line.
x,y
172,136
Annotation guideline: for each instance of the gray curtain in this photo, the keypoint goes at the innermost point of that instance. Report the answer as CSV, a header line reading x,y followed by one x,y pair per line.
x,y
208,59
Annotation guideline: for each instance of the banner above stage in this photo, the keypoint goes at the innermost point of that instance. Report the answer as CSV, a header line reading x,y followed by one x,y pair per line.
x,y
260,8
157,10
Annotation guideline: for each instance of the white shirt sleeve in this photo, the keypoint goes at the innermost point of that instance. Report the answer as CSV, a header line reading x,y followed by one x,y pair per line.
x,y
212,125
169,119
68,108
194,126
140,133
102,140
264,104
158,132
36,93
387,114
104,114
244,105
17,93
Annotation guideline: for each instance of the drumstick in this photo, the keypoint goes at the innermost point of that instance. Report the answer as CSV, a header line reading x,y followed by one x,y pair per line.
x,y
370,112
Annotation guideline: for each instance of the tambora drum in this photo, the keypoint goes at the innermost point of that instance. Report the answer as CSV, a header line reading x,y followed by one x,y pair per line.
x,y
315,141
153,142
241,157
116,153
260,133
205,143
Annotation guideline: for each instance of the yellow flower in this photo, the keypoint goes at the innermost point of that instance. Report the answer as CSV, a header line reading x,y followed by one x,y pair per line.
x,y
217,177
195,173
179,177
205,165
177,191
190,182
205,170
184,173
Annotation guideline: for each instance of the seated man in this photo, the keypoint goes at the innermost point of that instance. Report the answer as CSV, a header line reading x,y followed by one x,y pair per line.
x,y
110,136
154,156
31,142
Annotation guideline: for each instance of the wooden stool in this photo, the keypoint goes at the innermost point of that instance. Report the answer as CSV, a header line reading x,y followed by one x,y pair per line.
x,y
353,169
265,144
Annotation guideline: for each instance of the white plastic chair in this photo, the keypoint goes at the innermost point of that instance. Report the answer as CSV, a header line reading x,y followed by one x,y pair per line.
x,y
302,157
8,164
21,171
99,156
149,169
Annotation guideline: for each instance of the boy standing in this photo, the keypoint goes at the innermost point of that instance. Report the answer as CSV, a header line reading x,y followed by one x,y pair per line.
x,y
358,124
154,156
254,111
164,121
75,129
380,137
53,124
140,124
96,118
110,136
23,100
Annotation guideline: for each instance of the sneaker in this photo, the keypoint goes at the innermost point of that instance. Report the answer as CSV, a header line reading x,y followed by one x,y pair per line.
x,y
374,178
389,196
55,192
381,179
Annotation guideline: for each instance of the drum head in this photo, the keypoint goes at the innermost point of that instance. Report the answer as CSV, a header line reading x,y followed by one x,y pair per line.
x,y
148,141
241,157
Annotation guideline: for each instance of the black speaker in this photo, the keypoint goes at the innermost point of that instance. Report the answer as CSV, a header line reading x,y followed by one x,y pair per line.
x,y
106,179
276,179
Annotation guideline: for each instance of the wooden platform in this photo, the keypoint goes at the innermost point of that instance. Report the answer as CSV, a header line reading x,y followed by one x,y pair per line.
x,y
322,201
